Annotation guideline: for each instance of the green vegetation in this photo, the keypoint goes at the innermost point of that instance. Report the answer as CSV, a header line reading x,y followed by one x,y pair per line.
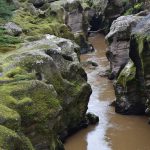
x,y
6,9
135,9
6,39
127,74
35,26
7,42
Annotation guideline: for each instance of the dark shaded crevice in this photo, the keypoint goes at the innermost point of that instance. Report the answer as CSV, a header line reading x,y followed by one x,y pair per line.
x,y
51,53
38,76
140,90
95,23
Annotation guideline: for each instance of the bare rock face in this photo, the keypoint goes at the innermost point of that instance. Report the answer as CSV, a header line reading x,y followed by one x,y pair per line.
x,y
44,94
118,40
132,86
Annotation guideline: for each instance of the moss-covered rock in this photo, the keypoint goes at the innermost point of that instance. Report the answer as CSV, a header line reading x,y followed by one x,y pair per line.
x,y
132,86
9,139
43,89
44,92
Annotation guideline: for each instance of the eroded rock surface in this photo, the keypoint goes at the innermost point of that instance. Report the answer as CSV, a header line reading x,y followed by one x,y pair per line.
x,y
44,89
118,40
132,86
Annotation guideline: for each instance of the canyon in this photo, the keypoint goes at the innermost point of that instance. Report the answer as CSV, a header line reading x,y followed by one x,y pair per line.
x,y
62,64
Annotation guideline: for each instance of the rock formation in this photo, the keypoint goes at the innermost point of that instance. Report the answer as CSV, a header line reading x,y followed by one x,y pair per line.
x,y
132,86
43,89
118,40
44,94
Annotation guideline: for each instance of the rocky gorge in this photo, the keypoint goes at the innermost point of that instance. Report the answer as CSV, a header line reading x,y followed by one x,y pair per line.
x,y
44,93
127,56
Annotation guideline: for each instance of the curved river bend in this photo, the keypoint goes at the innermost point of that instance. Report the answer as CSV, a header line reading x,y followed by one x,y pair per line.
x,y
114,131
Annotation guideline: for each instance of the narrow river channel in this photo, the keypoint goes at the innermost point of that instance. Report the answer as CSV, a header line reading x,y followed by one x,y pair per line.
x,y
114,131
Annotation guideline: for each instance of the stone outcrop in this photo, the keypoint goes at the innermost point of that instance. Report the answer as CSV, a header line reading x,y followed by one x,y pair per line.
x,y
62,18
118,40
102,13
44,94
132,85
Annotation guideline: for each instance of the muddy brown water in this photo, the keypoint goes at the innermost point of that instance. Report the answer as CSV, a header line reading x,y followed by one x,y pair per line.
x,y
114,131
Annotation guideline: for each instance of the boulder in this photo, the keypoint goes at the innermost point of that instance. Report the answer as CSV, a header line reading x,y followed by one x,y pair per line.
x,y
13,29
92,118
43,87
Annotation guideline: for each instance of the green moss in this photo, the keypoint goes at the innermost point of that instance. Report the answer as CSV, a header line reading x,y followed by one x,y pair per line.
x,y
7,40
9,140
85,6
8,135
5,98
129,12
137,7
9,118
16,74
127,74
35,26
34,101
24,101
27,145
11,73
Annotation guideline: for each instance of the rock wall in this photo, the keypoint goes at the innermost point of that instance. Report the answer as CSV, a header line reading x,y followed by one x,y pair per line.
x,y
118,40
61,18
133,81
44,94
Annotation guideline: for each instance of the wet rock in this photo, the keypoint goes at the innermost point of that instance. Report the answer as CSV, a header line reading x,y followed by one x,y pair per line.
x,y
149,121
113,104
104,72
89,64
92,118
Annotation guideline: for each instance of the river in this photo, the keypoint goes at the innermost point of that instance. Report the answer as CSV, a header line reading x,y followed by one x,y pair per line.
x,y
114,131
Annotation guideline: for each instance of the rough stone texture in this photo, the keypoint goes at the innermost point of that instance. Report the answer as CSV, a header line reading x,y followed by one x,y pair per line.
x,y
132,86
118,40
65,18
75,19
44,94
13,29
